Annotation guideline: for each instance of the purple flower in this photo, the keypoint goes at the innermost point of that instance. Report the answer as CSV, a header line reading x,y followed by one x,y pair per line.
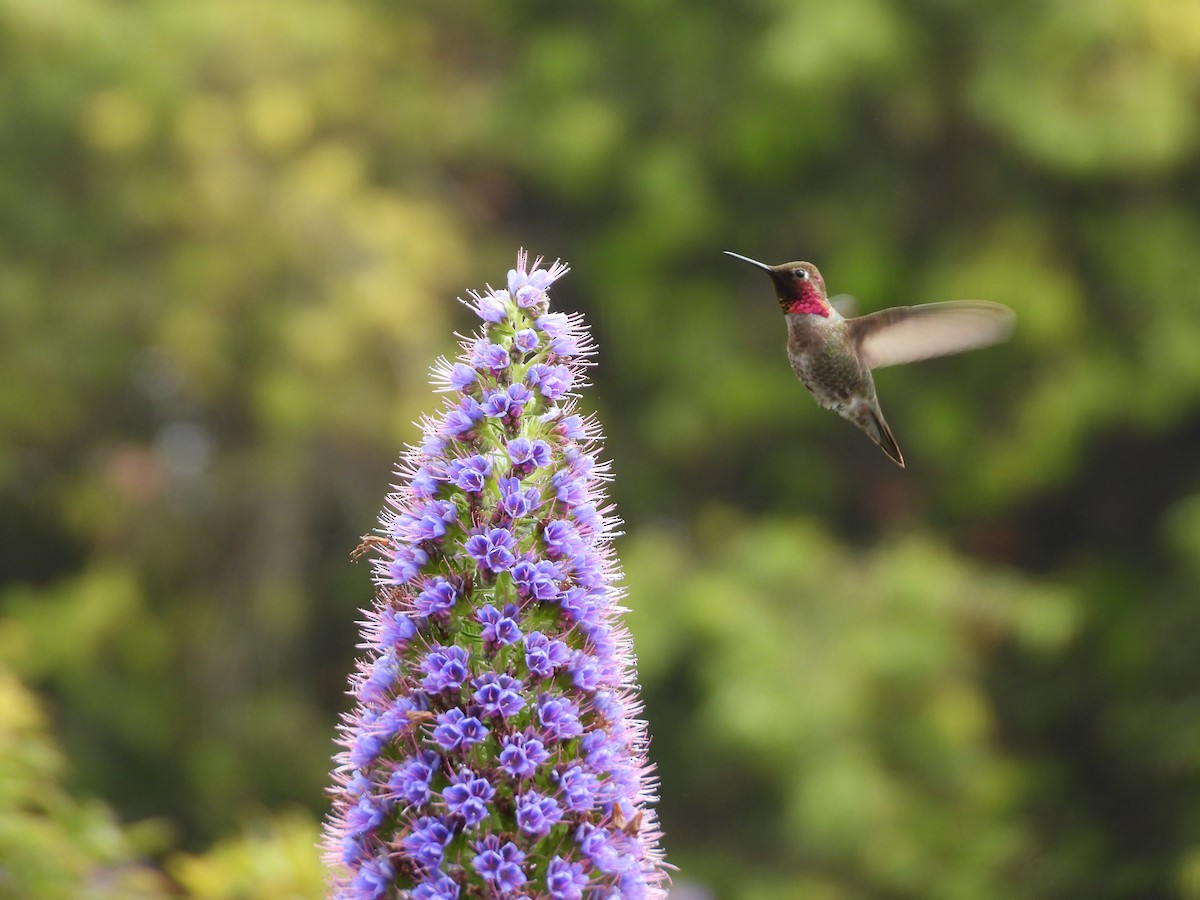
x,y
579,607
425,522
579,788
462,418
427,841
537,814
610,705
572,428
599,750
490,358
456,729
525,340
424,484
373,878
398,717
565,880
518,397
434,444
492,548
598,845
538,581
516,501
440,886
358,785
569,488
499,627
590,573
581,464
524,274
499,864
384,671
363,816
355,849
559,717
445,668
527,455
497,403
544,655
480,760
562,539
406,563
499,695
562,337
394,630
437,597
544,586
469,474
467,797
491,307
554,324
461,377
589,522
585,671
550,381
521,756
530,297
411,779
367,742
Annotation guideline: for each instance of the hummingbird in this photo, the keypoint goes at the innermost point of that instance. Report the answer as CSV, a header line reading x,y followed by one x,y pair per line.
x,y
833,354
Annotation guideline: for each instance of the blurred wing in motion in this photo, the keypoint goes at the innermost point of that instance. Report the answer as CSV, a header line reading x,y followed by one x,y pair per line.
x,y
845,304
908,333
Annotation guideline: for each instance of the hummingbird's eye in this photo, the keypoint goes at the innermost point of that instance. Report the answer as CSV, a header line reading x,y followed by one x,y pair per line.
x,y
800,273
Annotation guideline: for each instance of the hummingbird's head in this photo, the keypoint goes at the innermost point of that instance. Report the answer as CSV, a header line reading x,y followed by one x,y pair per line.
x,y
798,285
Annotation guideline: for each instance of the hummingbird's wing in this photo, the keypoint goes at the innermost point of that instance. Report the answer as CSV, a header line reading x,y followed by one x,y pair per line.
x,y
845,304
908,333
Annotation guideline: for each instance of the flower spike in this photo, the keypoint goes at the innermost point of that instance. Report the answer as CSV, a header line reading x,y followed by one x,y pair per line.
x,y
494,749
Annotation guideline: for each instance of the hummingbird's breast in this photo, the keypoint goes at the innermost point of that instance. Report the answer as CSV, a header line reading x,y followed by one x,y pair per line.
x,y
824,360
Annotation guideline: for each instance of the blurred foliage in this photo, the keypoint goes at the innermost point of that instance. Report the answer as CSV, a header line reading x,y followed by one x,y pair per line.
x,y
269,860
846,691
52,845
230,233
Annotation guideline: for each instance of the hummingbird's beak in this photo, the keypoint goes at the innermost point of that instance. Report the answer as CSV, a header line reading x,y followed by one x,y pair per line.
x,y
753,262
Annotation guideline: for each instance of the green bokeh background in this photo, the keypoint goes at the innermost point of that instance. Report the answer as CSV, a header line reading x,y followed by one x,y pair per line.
x,y
231,234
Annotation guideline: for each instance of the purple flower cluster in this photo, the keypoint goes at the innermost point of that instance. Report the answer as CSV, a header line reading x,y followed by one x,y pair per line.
x,y
495,749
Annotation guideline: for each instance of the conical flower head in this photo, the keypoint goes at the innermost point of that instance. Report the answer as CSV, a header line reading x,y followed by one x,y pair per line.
x,y
494,749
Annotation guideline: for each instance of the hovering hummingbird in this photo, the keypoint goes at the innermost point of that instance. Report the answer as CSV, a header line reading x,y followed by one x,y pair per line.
x,y
833,355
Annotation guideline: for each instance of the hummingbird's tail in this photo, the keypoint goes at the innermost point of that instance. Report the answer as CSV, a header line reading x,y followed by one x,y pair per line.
x,y
877,430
